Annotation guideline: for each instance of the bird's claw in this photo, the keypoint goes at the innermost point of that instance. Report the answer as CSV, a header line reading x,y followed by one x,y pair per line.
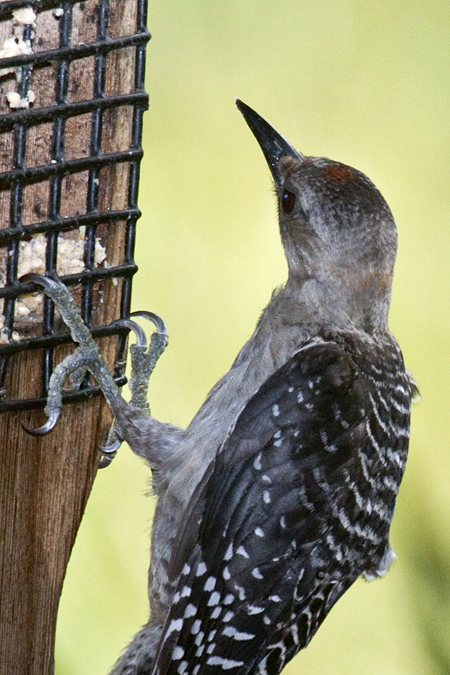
x,y
47,283
109,450
112,448
45,428
106,460
154,318
141,338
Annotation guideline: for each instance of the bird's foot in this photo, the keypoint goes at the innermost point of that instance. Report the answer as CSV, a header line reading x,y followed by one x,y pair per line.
x,y
143,362
87,357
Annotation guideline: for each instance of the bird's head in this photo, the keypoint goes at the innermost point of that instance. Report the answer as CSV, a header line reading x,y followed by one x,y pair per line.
x,y
337,230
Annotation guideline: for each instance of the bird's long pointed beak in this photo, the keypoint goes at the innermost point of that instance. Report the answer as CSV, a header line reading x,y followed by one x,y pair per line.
x,y
273,145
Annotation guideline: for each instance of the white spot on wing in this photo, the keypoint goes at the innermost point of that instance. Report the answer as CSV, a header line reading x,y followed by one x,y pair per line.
x,y
229,631
210,584
191,610
196,627
214,599
201,569
240,591
177,653
241,551
225,664
254,609
175,626
199,639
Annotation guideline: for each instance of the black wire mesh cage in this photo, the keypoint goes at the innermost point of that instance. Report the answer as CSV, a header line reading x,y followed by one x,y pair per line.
x,y
71,105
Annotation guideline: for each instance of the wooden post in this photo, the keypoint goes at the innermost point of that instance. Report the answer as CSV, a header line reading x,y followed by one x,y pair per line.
x,y
45,482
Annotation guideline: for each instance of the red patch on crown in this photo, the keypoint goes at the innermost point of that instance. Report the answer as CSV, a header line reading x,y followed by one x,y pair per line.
x,y
339,173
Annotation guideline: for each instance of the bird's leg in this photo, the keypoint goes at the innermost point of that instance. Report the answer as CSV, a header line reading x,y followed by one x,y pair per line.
x,y
87,357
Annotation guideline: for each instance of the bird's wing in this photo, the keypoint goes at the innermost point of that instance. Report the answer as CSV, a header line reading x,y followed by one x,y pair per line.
x,y
262,549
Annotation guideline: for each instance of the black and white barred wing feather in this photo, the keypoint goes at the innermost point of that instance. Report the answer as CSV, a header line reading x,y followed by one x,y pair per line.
x,y
278,531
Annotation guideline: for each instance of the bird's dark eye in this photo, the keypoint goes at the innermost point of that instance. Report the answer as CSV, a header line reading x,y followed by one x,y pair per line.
x,y
288,201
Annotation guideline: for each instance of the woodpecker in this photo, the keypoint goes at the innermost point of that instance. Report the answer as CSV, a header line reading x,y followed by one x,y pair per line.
x,y
281,491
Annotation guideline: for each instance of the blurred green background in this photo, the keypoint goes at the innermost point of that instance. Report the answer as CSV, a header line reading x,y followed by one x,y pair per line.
x,y
365,83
